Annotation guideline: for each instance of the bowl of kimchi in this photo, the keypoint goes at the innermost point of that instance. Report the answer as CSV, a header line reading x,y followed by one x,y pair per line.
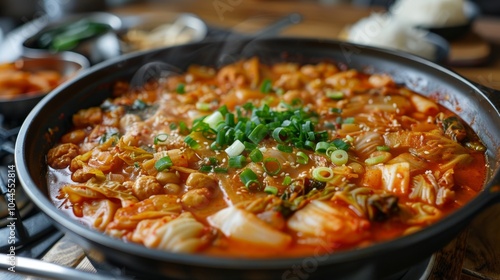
x,y
268,158
25,81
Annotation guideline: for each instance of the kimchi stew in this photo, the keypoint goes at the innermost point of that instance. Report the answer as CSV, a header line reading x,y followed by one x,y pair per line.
x,y
256,160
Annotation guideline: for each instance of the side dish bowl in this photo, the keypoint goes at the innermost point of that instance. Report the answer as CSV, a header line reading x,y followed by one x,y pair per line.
x,y
51,118
66,64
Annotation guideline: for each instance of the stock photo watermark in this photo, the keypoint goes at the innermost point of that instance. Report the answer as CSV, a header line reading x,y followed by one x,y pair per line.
x,y
11,219
223,6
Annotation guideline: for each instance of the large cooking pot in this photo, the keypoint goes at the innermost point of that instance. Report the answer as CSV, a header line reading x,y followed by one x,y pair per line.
x,y
51,118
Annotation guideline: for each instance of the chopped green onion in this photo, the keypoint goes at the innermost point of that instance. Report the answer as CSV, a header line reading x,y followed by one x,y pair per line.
x,y
258,133
183,129
191,142
160,138
237,161
220,170
214,119
284,148
335,95
256,155
163,163
280,134
378,157
213,161
206,168
321,147
202,106
322,174
139,105
302,157
235,149
341,144
339,157
330,150
383,148
137,165
271,190
250,146
335,110
266,86
349,120
181,88
272,166
287,180
223,110
173,126
250,179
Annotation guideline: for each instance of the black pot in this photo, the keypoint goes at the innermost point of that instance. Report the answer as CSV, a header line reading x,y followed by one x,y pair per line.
x,y
51,118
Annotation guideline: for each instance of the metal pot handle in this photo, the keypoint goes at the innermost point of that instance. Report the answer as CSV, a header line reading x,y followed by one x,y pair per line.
x,y
39,268
492,94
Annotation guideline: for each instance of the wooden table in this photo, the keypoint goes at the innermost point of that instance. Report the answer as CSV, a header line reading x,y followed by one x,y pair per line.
x,y
475,253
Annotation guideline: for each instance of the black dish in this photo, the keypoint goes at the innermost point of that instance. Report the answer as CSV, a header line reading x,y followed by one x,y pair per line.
x,y
52,117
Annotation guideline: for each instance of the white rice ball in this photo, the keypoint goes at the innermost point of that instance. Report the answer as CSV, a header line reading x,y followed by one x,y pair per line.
x,y
430,13
381,30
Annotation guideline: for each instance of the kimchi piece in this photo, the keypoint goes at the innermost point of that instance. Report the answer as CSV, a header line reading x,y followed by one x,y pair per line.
x,y
254,160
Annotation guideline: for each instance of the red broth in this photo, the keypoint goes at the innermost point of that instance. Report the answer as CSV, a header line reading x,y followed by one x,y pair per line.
x,y
255,160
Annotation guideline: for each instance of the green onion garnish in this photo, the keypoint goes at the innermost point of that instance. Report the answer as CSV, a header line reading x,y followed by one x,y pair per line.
x,y
284,148
220,170
341,144
235,149
383,148
160,138
335,95
206,168
280,134
339,157
214,119
266,86
256,155
237,161
139,105
202,106
287,180
349,120
271,190
302,157
250,180
181,88
322,174
163,163
321,147
258,133
191,142
381,157
272,166
183,129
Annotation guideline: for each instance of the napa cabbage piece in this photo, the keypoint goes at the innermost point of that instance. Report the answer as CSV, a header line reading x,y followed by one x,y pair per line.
x,y
99,213
96,189
420,213
430,146
416,164
396,177
130,154
366,143
241,225
368,203
175,234
154,207
328,221
428,189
